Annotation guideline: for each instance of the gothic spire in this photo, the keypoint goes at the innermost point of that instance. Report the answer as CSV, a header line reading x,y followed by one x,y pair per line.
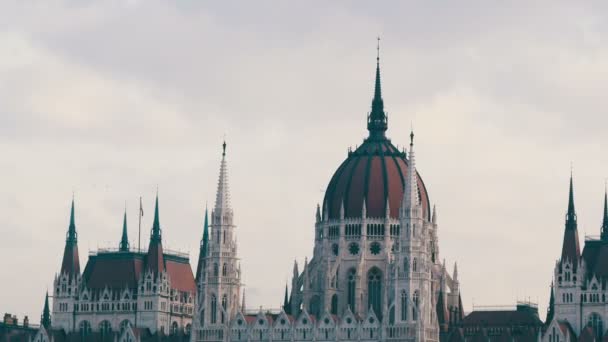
x,y
377,120
286,306
204,246
243,307
571,247
45,320
72,236
551,308
71,262
124,241
156,231
410,195
605,218
222,199
155,259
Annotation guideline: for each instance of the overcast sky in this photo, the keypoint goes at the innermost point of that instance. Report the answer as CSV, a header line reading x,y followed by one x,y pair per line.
x,y
110,99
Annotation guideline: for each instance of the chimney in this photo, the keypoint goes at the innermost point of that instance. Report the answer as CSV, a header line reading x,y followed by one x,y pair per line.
x,y
26,322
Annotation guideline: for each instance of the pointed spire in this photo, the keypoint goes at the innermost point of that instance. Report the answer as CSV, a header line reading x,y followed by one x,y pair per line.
x,y
286,306
204,247
605,218
222,199
571,247
342,210
377,121
45,320
155,259
551,307
156,231
364,208
71,262
72,236
318,214
455,273
410,195
571,215
124,241
434,217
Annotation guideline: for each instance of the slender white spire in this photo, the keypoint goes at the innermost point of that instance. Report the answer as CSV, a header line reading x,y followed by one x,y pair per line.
x,y
410,195
222,199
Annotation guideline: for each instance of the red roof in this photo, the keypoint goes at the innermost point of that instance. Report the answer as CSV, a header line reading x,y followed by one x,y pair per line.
x,y
118,270
181,275
374,172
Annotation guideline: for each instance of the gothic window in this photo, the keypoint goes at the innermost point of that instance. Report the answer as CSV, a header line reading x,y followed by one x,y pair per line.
x,y
224,270
415,306
85,328
406,266
105,328
595,322
213,309
374,289
188,328
174,328
351,279
335,248
414,265
403,306
334,304
215,270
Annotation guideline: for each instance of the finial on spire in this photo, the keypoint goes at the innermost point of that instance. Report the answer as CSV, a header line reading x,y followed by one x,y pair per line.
x,y
412,137
378,50
224,148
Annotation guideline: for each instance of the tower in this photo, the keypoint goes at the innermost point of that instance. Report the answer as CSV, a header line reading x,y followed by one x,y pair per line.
x,y
569,270
66,283
413,280
220,278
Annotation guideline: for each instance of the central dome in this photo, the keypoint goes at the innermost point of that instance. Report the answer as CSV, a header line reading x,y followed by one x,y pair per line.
x,y
376,173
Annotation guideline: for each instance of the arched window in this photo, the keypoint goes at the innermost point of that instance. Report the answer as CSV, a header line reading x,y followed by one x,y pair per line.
x,y
350,294
415,307
403,306
224,270
174,328
124,324
213,309
85,328
188,328
595,322
374,291
105,328
414,265
224,306
406,266
215,270
334,304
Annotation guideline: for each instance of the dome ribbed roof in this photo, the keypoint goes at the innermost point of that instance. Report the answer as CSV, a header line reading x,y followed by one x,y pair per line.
x,y
375,171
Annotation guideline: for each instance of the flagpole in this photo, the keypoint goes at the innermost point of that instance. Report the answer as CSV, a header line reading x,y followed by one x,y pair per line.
x,y
139,229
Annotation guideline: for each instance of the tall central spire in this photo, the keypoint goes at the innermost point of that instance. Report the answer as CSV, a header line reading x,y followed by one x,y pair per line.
x,y
222,199
411,198
71,263
377,122
72,236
